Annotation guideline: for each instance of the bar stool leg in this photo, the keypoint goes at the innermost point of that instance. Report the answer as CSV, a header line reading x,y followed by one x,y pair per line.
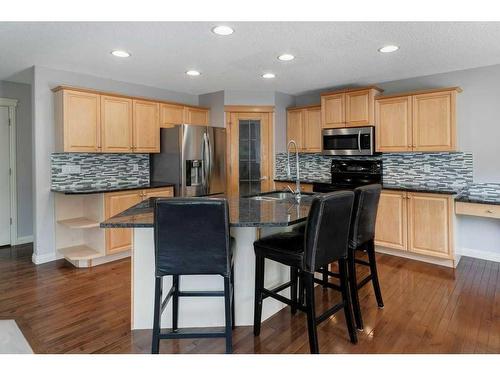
x,y
155,346
325,276
293,288
347,301
175,302
233,314
229,324
301,290
311,312
373,270
259,285
353,284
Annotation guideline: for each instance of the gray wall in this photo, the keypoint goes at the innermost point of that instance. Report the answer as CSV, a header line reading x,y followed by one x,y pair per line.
x,y
22,92
215,101
478,111
44,79
281,103
241,97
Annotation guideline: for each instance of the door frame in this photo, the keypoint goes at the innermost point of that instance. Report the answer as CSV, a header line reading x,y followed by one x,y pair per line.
x,y
249,110
11,105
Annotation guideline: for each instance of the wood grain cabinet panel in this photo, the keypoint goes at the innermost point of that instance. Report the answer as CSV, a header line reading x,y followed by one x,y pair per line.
x,y
394,124
116,124
146,126
359,109
430,224
312,129
78,121
196,116
295,127
119,239
434,125
333,111
171,114
391,228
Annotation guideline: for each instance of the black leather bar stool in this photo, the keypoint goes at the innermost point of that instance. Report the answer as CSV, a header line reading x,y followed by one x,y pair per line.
x,y
325,241
191,238
361,238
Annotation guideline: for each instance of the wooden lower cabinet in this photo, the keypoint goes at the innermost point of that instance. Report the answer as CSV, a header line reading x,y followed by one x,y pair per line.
x,y
120,239
430,220
420,223
392,220
281,185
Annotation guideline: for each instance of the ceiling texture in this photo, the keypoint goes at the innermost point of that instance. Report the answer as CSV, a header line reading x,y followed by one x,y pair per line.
x,y
328,54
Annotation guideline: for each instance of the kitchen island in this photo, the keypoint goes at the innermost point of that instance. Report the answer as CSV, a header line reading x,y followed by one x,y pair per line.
x,y
250,218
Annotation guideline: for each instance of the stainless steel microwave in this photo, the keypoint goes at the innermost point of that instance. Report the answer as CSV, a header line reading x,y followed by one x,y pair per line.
x,y
349,141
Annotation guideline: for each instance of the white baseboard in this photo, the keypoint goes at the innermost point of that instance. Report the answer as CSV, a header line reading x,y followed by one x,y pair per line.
x,y
480,254
45,258
23,240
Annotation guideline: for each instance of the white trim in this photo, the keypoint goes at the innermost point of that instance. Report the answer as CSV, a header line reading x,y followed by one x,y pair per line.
x,y
480,254
23,240
45,258
12,104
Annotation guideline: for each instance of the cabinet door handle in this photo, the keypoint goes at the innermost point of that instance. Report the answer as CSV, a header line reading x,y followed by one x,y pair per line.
x,y
489,211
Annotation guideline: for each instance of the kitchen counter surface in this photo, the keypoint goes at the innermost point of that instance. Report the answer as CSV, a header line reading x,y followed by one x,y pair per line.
x,y
469,197
86,189
243,212
303,181
421,188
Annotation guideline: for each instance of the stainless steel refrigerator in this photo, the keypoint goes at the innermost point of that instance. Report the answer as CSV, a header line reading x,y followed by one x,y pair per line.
x,y
193,158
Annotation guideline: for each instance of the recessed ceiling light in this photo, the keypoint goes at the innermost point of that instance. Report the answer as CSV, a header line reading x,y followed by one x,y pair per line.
x,y
120,53
388,49
222,30
286,57
268,75
193,73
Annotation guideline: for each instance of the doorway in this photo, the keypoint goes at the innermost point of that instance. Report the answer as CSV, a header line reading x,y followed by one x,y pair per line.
x,y
250,149
8,228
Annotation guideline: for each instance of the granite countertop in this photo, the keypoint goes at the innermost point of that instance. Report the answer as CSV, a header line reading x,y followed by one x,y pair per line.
x,y
303,180
105,189
243,212
472,197
422,188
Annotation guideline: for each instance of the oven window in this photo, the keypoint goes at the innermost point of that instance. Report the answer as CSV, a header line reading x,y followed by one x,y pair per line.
x,y
340,142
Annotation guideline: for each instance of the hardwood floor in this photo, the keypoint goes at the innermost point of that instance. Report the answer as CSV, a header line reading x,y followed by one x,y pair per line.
x,y
428,309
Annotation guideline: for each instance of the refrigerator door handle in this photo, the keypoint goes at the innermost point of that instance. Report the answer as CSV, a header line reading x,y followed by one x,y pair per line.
x,y
206,164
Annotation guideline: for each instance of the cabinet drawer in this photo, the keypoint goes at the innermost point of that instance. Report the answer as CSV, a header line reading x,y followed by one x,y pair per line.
x,y
477,209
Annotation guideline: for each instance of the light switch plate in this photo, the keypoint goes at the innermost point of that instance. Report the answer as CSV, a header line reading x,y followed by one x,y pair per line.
x,y
427,168
135,167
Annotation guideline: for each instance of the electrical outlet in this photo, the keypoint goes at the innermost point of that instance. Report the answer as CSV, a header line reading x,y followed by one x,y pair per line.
x,y
71,169
427,168
307,165
135,167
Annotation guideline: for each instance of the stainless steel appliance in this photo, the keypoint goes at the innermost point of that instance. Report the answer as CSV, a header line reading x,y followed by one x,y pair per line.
x,y
349,141
193,158
348,174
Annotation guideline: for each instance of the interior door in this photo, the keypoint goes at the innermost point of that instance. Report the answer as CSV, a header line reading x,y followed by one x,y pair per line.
x,y
4,177
250,152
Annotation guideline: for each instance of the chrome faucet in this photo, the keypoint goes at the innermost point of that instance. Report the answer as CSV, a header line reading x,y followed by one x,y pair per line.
x,y
288,170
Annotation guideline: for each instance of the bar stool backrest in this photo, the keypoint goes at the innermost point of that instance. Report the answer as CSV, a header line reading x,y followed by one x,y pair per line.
x,y
327,229
364,214
192,236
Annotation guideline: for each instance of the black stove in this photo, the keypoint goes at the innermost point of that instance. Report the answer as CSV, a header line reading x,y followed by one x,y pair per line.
x,y
350,174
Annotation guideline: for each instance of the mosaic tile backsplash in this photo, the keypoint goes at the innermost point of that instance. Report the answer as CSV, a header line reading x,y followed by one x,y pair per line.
x,y
76,171
438,170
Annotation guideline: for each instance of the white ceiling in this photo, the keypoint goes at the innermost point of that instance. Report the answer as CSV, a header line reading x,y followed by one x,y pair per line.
x,y
327,53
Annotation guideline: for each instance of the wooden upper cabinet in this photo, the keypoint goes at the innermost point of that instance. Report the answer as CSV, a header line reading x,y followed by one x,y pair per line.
x,y
171,114
116,124
77,116
434,127
312,129
146,129
391,229
430,224
360,108
295,127
196,116
394,124
333,111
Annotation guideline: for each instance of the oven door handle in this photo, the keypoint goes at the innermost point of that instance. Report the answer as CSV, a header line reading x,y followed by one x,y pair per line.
x,y
359,141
